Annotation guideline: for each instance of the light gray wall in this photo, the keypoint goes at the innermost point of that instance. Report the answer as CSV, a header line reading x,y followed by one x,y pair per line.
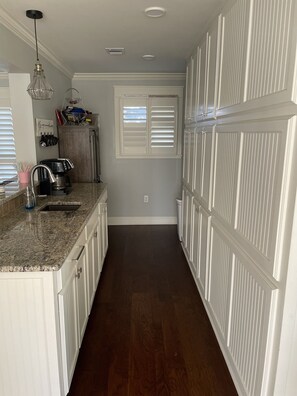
x,y
18,57
130,179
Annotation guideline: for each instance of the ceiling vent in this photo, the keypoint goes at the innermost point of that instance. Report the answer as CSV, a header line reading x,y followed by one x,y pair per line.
x,y
115,51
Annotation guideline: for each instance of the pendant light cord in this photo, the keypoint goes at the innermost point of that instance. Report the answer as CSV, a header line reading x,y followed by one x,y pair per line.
x,y
36,40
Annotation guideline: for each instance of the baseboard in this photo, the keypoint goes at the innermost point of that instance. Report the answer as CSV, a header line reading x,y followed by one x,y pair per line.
x,y
141,220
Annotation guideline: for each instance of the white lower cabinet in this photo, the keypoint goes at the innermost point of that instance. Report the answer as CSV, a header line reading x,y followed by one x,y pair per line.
x,y
68,321
44,316
73,309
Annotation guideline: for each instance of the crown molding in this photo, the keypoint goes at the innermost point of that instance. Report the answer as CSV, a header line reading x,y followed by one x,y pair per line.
x,y
7,21
128,76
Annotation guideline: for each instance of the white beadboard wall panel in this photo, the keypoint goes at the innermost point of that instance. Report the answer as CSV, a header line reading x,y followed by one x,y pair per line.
x,y
252,304
205,220
234,22
195,264
214,36
23,299
268,48
260,203
189,153
256,192
219,279
198,166
197,71
206,185
225,174
202,48
194,60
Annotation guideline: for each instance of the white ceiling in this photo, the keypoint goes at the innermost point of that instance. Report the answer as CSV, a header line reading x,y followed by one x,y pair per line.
x,y
77,32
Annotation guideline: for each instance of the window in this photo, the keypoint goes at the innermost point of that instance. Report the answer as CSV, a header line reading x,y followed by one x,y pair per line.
x,y
7,150
148,122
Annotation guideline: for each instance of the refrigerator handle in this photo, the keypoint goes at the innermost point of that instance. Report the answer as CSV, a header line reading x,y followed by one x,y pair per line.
x,y
92,155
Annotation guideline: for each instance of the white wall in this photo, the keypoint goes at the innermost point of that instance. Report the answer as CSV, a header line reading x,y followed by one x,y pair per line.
x,y
130,179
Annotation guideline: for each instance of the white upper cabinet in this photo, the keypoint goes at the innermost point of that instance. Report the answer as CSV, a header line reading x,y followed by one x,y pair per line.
x,y
252,166
202,83
188,158
189,91
271,52
234,39
257,55
203,164
213,57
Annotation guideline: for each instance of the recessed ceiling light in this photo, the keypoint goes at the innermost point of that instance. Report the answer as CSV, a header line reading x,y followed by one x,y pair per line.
x,y
148,57
115,51
155,12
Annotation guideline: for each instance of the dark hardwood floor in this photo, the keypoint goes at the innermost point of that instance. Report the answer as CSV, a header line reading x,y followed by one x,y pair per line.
x,y
148,333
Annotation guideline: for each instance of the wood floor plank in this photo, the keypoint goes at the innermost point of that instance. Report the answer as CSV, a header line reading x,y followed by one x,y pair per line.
x,y
148,333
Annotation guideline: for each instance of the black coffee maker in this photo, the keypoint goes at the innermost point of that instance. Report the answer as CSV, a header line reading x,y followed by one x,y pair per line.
x,y
60,168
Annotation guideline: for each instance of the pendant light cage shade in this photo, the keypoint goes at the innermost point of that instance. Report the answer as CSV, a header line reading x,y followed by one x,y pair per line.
x,y
39,88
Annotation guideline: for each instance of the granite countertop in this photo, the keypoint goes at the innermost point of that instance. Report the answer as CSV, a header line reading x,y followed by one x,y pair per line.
x,y
31,240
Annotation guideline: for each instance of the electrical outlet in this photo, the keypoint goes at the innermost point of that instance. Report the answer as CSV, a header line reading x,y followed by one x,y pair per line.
x,y
145,198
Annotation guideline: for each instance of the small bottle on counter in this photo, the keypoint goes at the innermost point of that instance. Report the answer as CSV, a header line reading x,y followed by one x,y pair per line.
x,y
29,200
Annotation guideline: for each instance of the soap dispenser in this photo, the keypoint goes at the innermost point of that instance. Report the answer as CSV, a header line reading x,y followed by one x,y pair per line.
x,y
29,199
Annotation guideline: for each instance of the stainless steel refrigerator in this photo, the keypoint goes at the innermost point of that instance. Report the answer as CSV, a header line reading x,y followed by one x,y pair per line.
x,y
81,145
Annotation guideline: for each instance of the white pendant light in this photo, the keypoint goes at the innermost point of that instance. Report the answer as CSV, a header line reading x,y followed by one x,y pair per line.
x,y
39,88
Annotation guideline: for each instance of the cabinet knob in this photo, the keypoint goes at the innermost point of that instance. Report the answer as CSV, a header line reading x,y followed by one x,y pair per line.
x,y
95,234
77,275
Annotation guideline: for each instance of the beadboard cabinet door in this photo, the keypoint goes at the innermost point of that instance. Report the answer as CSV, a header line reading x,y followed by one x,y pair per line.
x,y
203,165
225,174
200,247
187,201
189,91
252,164
203,74
212,71
67,299
235,20
242,306
198,163
29,343
257,55
271,50
189,158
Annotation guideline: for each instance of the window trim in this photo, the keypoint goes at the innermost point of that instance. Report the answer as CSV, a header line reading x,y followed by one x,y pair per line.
x,y
122,92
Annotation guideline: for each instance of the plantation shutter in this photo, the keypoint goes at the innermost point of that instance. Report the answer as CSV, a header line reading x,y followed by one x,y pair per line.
x,y
163,125
134,137
7,150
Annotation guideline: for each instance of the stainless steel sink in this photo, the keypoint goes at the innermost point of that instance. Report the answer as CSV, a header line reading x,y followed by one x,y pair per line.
x,y
57,207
